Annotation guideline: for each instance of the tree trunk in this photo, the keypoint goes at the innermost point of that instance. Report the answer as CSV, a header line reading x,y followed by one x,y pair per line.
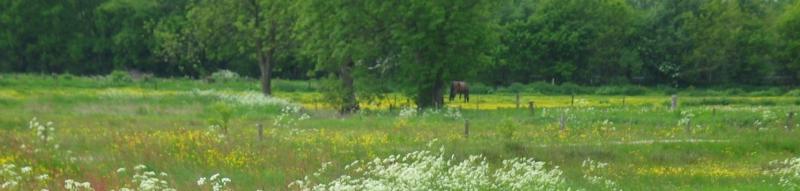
x,y
433,95
264,63
350,103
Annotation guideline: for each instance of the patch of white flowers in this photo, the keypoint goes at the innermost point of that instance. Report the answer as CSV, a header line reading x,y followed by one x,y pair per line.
x,y
44,131
788,172
73,185
11,177
686,118
289,116
216,132
247,98
452,113
144,180
216,181
224,75
766,117
591,170
407,112
427,170
607,125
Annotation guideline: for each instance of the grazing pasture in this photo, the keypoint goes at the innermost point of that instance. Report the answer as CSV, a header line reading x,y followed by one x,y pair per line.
x,y
193,135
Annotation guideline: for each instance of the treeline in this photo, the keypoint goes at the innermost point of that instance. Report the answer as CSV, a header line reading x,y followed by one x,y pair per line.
x,y
414,46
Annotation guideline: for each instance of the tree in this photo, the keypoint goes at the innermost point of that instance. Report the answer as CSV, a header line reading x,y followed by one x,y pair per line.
x,y
787,27
219,31
573,40
439,41
341,36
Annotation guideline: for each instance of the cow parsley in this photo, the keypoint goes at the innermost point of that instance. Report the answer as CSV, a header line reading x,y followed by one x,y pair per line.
x,y
429,170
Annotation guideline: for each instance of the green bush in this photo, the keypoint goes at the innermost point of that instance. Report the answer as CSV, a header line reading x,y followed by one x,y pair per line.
x,y
621,90
768,92
119,76
224,76
794,92
293,86
507,128
479,88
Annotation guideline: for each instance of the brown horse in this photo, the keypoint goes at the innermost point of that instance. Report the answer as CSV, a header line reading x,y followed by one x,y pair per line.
x,y
459,87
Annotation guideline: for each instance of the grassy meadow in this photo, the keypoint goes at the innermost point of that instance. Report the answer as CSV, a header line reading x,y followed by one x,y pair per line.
x,y
104,129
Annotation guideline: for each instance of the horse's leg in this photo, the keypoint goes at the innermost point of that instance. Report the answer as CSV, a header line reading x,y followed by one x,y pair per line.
x,y
452,94
466,96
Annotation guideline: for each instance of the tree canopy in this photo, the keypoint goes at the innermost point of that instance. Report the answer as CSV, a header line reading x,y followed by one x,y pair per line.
x,y
414,46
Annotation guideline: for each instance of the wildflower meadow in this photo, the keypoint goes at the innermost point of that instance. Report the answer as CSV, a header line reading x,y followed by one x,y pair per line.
x,y
88,133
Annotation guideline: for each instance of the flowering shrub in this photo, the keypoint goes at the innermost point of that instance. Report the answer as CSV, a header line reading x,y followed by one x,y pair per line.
x,y
788,171
427,170
289,116
216,182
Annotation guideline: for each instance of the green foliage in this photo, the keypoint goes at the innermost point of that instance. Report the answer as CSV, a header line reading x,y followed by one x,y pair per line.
x,y
223,113
507,128
480,88
621,90
224,76
417,46
119,76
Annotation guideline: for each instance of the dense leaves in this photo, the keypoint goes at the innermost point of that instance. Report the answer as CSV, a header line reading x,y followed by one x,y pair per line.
x,y
416,47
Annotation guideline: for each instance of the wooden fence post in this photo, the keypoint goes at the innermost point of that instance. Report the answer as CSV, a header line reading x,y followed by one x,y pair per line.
x,y
260,131
466,128
623,101
674,105
477,103
517,100
572,101
689,125
532,107
790,121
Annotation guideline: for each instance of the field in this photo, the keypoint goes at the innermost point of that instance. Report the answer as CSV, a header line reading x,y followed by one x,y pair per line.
x,y
120,134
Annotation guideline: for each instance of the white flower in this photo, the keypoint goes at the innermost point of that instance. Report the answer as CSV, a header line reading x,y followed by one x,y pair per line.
x,y
121,170
9,184
201,181
25,170
213,177
42,177
139,167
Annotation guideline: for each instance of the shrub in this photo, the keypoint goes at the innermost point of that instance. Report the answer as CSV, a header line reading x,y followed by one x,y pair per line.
x,y
794,92
119,76
507,128
224,76
542,88
767,92
621,90
292,86
479,88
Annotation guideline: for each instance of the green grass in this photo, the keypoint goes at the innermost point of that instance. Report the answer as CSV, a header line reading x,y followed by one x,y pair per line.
x,y
102,125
